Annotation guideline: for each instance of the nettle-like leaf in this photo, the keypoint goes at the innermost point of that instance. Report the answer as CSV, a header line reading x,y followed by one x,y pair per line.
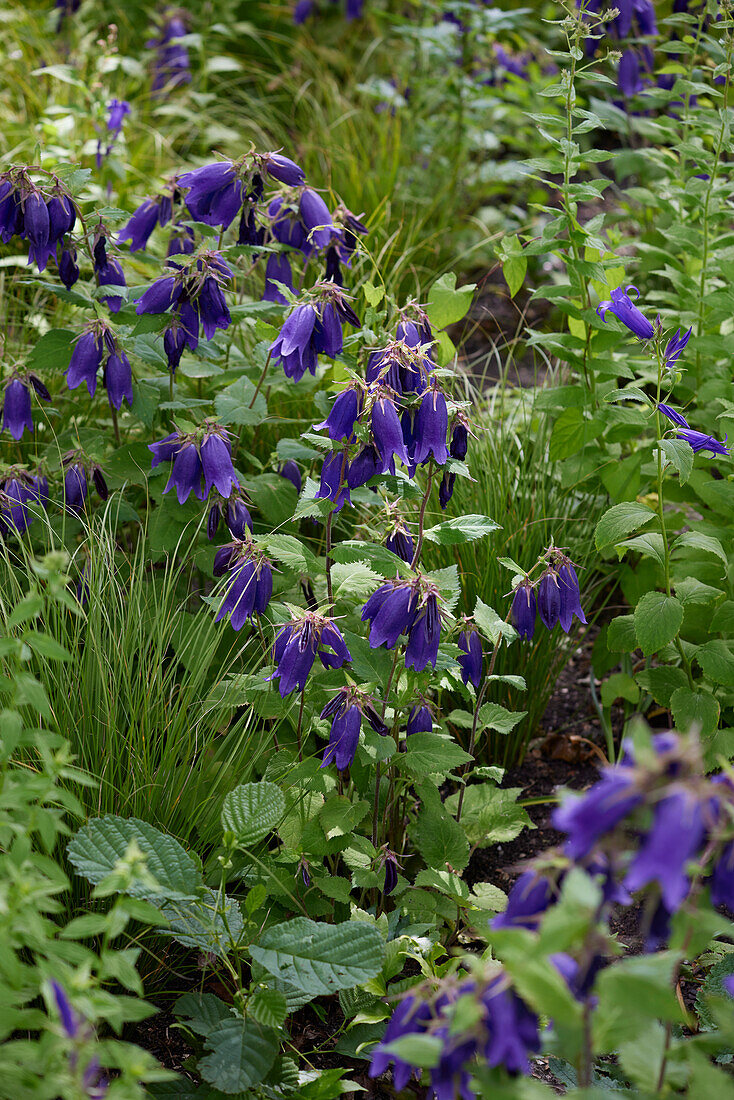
x,y
104,842
440,839
461,529
320,958
658,619
201,926
233,404
490,815
201,1011
491,625
242,1054
621,520
252,810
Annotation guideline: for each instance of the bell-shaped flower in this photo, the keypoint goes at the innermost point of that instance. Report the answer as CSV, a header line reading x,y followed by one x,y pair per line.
x,y
108,272
333,485
424,633
524,610
316,218
250,587
675,346
676,836
277,270
625,310
17,415
364,466
420,720
186,473
299,643
389,610
216,462
215,194
118,379
343,414
472,658
527,902
446,489
568,586
431,427
282,169
387,431
549,599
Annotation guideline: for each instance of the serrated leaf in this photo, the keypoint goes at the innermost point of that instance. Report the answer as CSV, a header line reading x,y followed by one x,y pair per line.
x,y
619,686
661,682
680,453
494,717
431,754
354,581
233,404
694,709
103,842
252,810
649,545
490,814
379,557
52,351
321,958
621,520
461,529
201,1011
491,625
621,637
290,552
717,661
199,924
708,544
269,1007
658,619
440,839
242,1054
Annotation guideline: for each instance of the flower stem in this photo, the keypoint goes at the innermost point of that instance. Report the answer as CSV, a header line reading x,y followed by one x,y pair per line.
x,y
260,381
299,733
421,517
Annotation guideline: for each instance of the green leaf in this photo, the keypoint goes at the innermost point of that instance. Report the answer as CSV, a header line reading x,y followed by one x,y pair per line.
x,y
490,814
661,682
418,1050
717,661
199,925
373,294
494,717
290,552
321,958
104,841
621,520
658,619
619,686
431,754
30,693
274,495
269,1007
242,1054
379,557
697,541
680,453
440,839
252,810
621,637
461,529
202,1011
52,351
46,646
650,545
233,404
491,625
354,582
694,710
571,432
446,304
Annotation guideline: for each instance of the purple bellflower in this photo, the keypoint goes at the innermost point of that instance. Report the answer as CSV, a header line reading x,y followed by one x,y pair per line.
x,y
424,631
333,484
215,193
346,710
290,471
528,900
431,426
108,272
20,489
17,415
568,586
277,270
76,485
344,414
195,294
446,489
587,817
364,466
676,836
68,267
387,431
400,541
297,645
316,218
250,587
471,659
390,610
420,720
698,441
675,346
549,598
98,347
524,609
625,310
722,879
148,215
172,57
313,328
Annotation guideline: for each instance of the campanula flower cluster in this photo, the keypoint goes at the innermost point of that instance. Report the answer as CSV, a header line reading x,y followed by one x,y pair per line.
x,y
555,598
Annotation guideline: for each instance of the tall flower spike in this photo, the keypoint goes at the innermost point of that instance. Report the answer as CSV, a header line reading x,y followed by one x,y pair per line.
x,y
625,310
